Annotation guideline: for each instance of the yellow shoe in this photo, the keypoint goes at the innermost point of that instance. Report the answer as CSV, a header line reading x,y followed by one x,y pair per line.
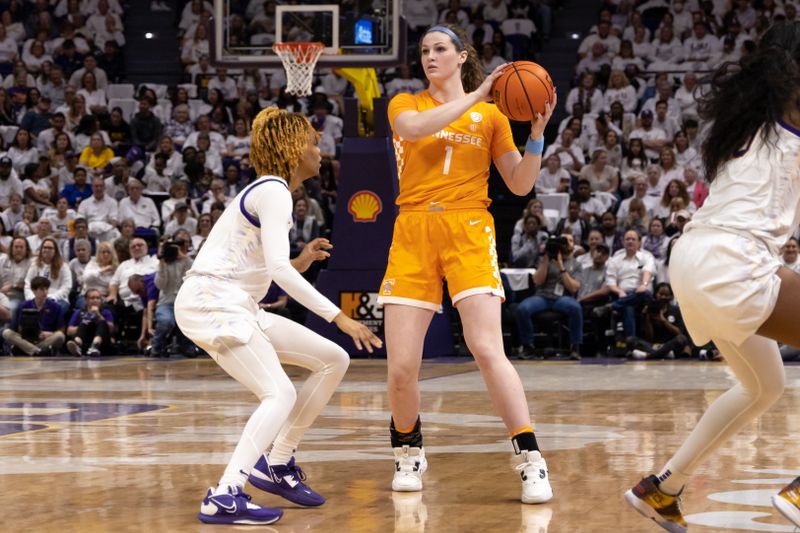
x,y
787,501
663,509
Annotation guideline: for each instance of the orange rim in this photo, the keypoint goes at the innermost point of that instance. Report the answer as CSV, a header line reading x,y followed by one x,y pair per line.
x,y
303,51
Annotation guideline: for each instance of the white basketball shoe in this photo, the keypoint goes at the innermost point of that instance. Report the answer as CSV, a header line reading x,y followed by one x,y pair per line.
x,y
532,469
409,465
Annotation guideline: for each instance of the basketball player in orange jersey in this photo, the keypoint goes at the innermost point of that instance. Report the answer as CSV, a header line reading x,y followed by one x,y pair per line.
x,y
445,139
725,271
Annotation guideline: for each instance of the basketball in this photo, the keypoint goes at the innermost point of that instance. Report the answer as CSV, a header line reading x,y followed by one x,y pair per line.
x,y
522,90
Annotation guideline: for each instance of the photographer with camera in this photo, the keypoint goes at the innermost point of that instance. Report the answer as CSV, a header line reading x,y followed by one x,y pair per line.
x,y
173,264
556,280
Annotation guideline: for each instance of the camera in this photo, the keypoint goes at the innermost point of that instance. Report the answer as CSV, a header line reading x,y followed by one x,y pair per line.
x,y
170,248
554,245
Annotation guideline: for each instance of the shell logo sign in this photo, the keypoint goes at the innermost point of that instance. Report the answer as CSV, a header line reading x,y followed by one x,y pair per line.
x,y
364,206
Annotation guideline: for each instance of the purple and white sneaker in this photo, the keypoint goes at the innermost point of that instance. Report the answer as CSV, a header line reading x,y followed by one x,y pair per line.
x,y
235,508
285,481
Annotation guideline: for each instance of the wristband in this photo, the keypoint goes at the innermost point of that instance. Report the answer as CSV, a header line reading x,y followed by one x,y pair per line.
x,y
535,147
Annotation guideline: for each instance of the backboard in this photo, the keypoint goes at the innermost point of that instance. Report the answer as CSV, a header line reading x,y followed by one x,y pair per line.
x,y
356,33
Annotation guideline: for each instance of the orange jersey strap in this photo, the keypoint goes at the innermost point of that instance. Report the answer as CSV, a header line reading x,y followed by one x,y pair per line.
x,y
452,165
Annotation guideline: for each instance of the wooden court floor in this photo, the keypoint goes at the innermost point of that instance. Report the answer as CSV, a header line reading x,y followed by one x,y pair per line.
x,y
132,444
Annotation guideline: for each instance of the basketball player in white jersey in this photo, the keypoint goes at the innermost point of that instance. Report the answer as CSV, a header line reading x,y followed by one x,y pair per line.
x,y
725,269
217,307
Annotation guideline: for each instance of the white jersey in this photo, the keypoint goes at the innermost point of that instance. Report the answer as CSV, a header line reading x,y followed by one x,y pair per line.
x,y
248,247
758,192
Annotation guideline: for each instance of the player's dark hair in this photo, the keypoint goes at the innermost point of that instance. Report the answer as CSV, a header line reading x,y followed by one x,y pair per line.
x,y
760,88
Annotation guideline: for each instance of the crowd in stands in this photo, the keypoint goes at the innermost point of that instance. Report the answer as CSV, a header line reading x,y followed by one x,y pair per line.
x,y
107,191
625,175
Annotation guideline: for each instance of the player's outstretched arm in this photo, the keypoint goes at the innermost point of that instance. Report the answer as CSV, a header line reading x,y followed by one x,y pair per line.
x,y
361,335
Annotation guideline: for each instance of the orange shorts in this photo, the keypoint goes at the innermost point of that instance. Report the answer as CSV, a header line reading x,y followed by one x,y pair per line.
x,y
428,246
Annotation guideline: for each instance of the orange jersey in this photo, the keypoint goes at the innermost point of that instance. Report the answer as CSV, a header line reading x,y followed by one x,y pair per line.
x,y
451,166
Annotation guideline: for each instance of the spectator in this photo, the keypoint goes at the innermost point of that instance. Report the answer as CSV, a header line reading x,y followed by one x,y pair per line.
x,y
13,213
656,241
666,121
178,193
89,65
174,160
404,83
44,229
37,190
584,257
37,119
698,190
597,60
80,231
69,60
591,207
305,228
54,87
119,131
143,287
94,96
47,136
22,150
126,304
61,218
49,264
155,178
684,154
526,247
676,188
628,278
571,155
653,139
145,127
38,328
620,90
789,255
90,325
552,178
9,182
600,175
181,220
77,265
203,125
663,332
556,285
172,267
14,267
578,225
204,225
637,218
179,127
140,208
78,191
587,94
75,111
100,271
700,48
603,36
613,237
100,211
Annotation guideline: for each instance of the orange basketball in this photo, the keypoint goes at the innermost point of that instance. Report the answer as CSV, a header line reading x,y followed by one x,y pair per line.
x,y
522,90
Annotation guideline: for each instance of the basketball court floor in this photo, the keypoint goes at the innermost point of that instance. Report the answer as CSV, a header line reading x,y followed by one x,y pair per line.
x,y
132,444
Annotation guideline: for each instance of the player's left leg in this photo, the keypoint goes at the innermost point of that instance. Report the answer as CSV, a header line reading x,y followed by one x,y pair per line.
x,y
480,316
758,366
277,472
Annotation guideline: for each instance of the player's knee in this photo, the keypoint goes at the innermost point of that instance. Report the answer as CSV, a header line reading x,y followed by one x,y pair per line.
x,y
336,361
486,354
402,376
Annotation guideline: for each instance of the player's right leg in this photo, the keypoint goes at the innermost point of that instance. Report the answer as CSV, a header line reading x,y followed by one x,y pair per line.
x,y
256,366
405,328
277,472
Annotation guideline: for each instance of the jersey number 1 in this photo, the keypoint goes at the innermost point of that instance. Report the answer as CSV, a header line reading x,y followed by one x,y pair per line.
x,y
448,156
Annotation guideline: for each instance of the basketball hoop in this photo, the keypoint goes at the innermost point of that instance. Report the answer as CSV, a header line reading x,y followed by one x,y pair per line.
x,y
298,60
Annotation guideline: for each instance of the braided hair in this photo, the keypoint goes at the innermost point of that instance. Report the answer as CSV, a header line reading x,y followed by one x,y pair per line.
x,y
279,139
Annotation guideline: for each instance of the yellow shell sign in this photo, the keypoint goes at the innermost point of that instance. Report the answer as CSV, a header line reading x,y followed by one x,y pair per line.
x,y
364,206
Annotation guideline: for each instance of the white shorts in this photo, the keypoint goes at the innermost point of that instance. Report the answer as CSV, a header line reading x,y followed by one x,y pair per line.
x,y
211,311
726,284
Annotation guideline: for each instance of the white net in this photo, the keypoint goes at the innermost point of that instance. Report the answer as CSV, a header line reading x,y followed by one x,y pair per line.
x,y
298,60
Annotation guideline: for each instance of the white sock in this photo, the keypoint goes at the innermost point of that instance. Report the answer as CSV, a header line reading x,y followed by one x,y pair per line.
x,y
280,455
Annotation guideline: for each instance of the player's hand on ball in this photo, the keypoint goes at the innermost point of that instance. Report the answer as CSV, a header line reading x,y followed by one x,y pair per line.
x,y
362,336
485,88
540,121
